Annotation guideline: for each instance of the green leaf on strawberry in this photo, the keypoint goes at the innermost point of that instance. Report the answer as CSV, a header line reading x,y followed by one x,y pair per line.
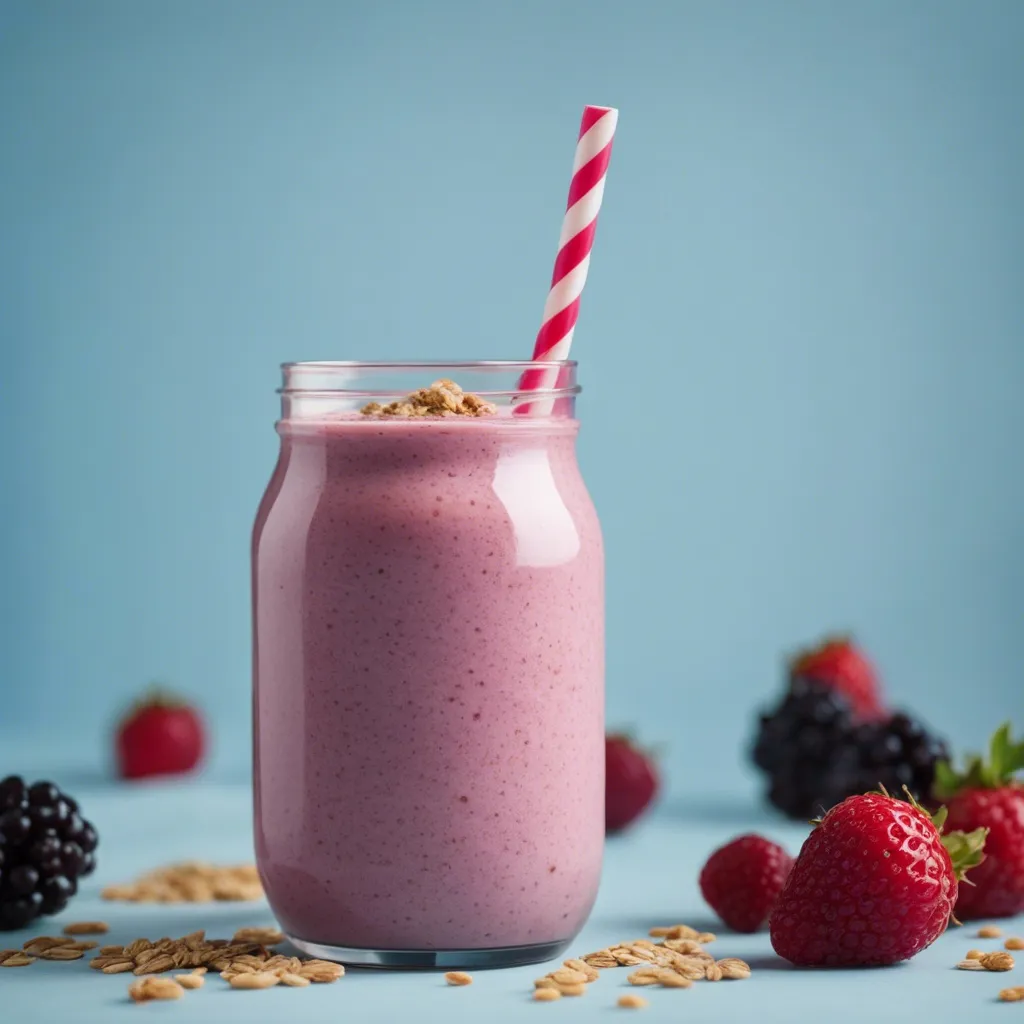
x,y
1005,759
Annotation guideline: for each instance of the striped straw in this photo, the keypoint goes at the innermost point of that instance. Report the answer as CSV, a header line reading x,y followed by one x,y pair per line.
x,y
586,190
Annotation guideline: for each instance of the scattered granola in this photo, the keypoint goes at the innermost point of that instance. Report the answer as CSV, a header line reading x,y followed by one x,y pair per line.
x,y
975,954
231,958
61,947
321,971
264,936
1014,943
970,965
713,972
671,979
632,1002
458,978
15,958
571,979
997,962
87,928
734,969
1012,995
674,931
643,976
190,980
260,979
546,995
155,988
294,980
190,882
989,931
568,976
589,973
442,398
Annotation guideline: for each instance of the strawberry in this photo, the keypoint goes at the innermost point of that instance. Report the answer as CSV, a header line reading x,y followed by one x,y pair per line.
x,y
986,795
159,736
742,880
631,781
838,664
875,883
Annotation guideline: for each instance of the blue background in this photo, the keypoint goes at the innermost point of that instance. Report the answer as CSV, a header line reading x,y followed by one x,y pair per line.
x,y
802,341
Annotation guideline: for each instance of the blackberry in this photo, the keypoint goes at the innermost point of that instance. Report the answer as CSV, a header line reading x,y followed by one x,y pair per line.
x,y
45,847
816,753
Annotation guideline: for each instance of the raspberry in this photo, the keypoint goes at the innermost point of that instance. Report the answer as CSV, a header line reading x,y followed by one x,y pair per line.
x,y
742,880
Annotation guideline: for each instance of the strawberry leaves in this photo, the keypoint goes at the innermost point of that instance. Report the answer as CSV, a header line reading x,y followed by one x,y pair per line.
x,y
1005,759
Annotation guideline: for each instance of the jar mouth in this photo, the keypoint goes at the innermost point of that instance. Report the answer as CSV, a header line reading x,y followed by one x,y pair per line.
x,y
430,364
495,380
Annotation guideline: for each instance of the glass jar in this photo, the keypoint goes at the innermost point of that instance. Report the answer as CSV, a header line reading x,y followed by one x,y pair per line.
x,y
428,614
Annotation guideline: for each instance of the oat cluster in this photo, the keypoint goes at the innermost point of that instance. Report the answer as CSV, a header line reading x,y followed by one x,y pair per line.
x,y
458,978
989,931
442,398
1014,942
190,882
571,979
1012,995
978,961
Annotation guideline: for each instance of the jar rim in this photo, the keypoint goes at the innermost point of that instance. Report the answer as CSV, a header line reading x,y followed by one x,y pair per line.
x,y
498,380
431,364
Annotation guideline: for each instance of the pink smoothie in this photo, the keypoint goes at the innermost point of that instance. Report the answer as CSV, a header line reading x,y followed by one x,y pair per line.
x,y
429,673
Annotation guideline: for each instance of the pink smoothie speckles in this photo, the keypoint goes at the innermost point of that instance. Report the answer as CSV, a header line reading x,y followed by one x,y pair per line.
x,y
429,665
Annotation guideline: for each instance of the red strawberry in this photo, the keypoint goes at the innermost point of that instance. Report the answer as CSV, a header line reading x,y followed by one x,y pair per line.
x,y
986,796
874,884
742,880
839,665
631,780
159,736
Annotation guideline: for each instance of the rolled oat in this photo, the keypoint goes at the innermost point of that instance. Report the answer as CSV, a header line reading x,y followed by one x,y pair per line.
x,y
87,928
547,995
632,1002
997,962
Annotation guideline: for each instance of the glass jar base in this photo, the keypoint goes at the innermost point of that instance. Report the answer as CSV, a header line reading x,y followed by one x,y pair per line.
x,y
421,959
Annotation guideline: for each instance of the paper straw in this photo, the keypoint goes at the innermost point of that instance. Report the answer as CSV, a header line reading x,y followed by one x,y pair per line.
x,y
579,225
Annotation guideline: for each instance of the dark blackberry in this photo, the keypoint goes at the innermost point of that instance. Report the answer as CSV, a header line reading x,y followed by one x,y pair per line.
x,y
815,753
45,847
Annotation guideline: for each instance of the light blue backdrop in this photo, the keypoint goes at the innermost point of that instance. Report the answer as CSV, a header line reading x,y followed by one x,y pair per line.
x,y
802,341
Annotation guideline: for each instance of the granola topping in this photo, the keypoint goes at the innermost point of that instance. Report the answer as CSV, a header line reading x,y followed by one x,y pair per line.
x,y
442,398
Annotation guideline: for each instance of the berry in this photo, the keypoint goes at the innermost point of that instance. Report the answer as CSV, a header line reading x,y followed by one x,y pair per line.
x,y
839,665
41,853
986,796
875,883
160,736
631,781
742,880
816,753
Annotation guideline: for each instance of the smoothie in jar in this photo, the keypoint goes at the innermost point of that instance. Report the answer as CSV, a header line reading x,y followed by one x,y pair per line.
x,y
428,671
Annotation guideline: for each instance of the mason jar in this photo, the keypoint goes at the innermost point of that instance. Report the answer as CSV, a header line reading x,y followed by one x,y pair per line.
x,y
428,614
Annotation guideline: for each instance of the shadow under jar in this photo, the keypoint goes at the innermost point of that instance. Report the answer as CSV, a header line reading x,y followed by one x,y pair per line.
x,y
428,610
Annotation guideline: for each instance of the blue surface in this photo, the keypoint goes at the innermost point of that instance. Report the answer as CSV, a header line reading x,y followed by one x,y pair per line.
x,y
811,235
650,878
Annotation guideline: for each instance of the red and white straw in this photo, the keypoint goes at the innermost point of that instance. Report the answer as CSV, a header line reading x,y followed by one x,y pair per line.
x,y
586,190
